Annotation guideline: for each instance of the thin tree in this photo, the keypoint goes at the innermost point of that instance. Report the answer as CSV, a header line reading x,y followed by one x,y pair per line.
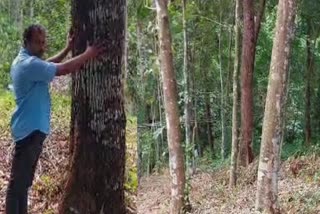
x,y
187,97
272,130
251,31
176,157
235,98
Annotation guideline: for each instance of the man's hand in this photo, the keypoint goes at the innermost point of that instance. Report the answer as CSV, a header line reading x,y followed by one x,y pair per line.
x,y
95,50
72,65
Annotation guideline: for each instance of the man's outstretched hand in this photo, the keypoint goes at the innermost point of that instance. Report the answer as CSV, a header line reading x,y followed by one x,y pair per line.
x,y
95,50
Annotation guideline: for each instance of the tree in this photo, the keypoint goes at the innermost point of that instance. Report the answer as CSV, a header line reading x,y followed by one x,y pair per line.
x,y
235,98
96,178
272,130
176,157
250,37
187,97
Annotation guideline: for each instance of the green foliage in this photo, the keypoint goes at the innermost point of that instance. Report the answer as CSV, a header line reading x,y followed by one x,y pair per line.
x,y
56,18
7,105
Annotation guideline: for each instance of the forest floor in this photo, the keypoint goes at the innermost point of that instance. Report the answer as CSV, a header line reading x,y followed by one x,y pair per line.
x,y
299,190
47,188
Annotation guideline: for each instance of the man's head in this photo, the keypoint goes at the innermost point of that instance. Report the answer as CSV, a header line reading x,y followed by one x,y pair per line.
x,y
34,40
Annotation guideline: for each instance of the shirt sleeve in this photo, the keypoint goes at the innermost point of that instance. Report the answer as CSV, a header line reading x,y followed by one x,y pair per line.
x,y
40,70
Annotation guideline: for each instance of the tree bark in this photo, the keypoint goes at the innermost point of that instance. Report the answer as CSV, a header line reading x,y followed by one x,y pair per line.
x,y
308,76
187,97
209,123
249,42
267,191
247,67
259,16
170,93
235,106
141,109
222,98
96,178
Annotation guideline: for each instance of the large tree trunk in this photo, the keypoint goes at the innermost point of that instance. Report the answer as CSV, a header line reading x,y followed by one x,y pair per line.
x,y
235,105
187,97
272,130
96,178
170,93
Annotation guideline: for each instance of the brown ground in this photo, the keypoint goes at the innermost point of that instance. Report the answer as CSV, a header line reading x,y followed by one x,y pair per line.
x,y
210,194
48,184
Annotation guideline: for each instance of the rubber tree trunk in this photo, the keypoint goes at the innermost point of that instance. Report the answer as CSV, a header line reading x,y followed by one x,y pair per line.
x,y
235,98
96,178
250,37
272,130
308,94
187,97
223,97
176,156
247,67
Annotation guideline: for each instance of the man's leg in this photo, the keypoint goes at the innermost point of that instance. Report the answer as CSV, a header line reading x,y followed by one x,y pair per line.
x,y
24,163
23,202
18,178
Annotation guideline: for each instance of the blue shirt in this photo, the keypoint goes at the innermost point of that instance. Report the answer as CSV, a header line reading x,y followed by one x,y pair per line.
x,y
31,77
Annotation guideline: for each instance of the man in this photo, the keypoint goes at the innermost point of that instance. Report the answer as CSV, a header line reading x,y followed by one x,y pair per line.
x,y
30,123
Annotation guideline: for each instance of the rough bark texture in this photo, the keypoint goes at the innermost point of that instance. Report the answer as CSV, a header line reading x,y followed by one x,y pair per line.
x,y
96,178
267,192
170,93
235,106
252,26
187,97
247,67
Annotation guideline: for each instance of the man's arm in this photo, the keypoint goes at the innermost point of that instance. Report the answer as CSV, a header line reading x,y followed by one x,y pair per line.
x,y
75,63
60,56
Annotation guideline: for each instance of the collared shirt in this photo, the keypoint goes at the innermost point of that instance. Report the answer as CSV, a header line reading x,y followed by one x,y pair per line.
x,y
31,77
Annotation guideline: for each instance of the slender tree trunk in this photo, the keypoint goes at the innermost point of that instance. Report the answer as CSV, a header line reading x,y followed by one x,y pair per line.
x,y
223,120
187,97
141,106
247,67
16,8
249,42
126,48
259,16
267,192
235,106
308,76
170,92
96,179
209,123
230,68
31,9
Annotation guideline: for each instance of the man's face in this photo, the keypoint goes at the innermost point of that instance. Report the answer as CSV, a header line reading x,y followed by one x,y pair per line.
x,y
38,43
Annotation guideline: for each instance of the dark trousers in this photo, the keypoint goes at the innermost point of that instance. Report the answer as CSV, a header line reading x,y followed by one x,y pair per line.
x,y
24,162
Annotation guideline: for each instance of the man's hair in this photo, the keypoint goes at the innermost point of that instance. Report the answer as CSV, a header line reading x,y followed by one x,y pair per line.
x,y
28,32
